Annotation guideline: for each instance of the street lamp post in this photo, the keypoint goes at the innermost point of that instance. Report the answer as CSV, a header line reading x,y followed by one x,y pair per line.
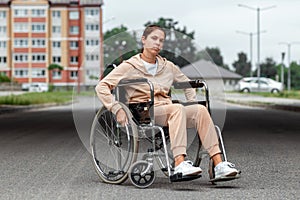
x,y
251,44
282,68
289,45
258,9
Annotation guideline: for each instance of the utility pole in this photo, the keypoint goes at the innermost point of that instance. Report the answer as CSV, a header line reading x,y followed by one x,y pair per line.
x,y
258,9
289,45
282,68
251,46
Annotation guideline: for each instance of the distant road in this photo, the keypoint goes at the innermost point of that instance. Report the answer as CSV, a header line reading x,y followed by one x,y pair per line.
x,y
42,157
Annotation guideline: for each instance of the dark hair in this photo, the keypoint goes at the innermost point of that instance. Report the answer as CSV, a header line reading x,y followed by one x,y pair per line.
x,y
150,28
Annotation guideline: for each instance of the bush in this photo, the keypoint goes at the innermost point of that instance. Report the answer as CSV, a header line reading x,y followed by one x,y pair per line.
x,y
4,78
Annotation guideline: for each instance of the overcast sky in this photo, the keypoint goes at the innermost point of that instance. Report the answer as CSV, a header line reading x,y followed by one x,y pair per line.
x,y
215,23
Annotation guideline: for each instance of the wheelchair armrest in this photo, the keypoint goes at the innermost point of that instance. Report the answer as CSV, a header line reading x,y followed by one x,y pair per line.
x,y
189,84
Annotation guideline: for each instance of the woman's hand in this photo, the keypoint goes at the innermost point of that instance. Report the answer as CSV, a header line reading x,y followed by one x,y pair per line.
x,y
121,117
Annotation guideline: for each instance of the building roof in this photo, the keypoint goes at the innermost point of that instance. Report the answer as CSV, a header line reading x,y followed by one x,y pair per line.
x,y
208,70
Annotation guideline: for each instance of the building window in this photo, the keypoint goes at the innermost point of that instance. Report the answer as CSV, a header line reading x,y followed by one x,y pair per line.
x,y
56,74
2,14
38,73
20,42
74,45
56,44
56,59
38,42
92,27
74,59
2,44
92,42
21,13
56,29
74,30
73,74
92,12
2,59
38,58
20,58
21,27
73,15
92,57
56,14
21,73
3,29
38,13
38,28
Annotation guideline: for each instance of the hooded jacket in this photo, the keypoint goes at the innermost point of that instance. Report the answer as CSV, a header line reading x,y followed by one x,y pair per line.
x,y
133,68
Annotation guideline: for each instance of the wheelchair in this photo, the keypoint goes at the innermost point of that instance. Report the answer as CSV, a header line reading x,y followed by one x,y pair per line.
x,y
116,151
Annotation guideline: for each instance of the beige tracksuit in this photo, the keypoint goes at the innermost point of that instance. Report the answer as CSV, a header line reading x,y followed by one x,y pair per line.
x,y
175,116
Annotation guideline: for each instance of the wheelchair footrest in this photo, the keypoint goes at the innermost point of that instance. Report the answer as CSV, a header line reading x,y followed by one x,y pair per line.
x,y
179,178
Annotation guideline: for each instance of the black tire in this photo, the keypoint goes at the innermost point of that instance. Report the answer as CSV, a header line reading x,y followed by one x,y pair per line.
x,y
245,90
113,148
275,91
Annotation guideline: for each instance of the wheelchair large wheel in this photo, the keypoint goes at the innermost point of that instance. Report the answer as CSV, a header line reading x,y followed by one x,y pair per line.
x,y
114,148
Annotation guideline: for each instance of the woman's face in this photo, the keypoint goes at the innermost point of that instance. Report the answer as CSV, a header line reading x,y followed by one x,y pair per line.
x,y
154,42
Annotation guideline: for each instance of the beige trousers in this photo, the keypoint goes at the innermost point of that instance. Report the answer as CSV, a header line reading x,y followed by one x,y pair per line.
x,y
178,118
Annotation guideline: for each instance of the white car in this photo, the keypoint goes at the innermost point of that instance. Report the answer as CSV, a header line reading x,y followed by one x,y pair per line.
x,y
255,84
38,87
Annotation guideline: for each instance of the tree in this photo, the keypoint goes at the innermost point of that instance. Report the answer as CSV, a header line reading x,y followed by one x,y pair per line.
x,y
119,45
54,67
295,75
215,54
241,66
178,46
268,68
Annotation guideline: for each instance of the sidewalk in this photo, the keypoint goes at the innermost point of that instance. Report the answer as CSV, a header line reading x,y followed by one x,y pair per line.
x,y
267,102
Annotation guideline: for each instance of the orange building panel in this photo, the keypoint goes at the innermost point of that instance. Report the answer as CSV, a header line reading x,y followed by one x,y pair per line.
x,y
21,19
21,65
38,50
38,35
21,80
21,50
39,19
21,35
38,79
39,65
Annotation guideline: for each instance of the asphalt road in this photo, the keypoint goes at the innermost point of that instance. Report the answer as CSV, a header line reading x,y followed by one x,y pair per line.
x,y
42,157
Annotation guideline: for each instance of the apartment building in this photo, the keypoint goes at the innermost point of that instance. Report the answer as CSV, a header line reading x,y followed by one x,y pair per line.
x,y
35,34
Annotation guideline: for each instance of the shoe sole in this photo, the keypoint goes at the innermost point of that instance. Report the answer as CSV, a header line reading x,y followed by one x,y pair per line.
x,y
228,177
192,174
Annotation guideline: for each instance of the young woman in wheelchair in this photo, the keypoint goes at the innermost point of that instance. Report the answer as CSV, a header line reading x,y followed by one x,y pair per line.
x,y
162,73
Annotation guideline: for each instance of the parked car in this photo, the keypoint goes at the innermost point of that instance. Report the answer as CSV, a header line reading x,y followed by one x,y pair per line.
x,y
255,84
25,86
38,87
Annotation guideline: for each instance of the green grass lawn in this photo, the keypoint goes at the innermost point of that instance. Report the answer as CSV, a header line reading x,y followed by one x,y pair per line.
x,y
36,98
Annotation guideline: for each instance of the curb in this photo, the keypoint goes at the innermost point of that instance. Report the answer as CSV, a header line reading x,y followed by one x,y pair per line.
x,y
17,108
292,108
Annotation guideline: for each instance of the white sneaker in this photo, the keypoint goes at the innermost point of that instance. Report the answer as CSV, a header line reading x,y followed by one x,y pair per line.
x,y
225,170
187,168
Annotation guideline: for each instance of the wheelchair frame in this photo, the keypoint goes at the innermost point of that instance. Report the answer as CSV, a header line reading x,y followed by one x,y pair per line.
x,y
141,173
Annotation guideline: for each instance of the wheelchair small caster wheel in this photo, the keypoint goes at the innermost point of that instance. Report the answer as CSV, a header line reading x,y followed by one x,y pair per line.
x,y
141,174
